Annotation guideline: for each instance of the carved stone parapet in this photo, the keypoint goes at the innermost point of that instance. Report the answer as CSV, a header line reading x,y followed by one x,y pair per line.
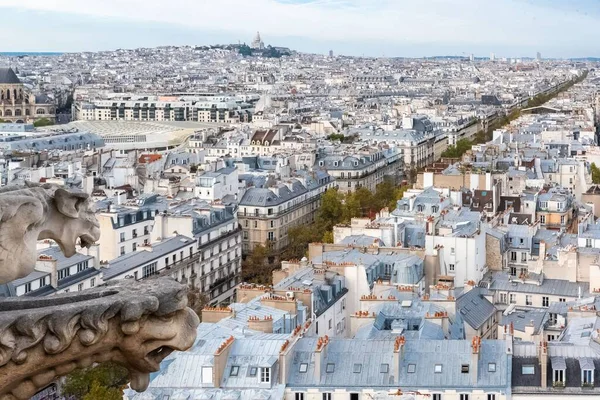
x,y
135,324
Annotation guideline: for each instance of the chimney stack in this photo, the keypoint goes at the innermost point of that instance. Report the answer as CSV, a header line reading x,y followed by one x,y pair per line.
x,y
321,355
399,348
544,363
476,349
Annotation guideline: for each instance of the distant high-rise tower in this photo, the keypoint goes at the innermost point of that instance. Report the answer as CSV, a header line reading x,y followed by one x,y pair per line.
x,y
472,57
330,53
492,57
257,43
538,56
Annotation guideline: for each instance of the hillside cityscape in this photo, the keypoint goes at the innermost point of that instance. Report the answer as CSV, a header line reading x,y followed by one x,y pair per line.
x,y
347,228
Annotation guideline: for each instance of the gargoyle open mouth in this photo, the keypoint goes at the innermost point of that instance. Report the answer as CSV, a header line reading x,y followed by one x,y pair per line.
x,y
155,357
86,241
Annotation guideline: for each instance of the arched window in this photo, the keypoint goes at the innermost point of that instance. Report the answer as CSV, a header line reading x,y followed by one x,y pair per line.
x,y
2,94
20,94
18,112
8,94
27,112
0,113
40,111
15,94
8,113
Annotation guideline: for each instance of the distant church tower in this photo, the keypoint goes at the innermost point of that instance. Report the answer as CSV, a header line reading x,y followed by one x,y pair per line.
x,y
257,43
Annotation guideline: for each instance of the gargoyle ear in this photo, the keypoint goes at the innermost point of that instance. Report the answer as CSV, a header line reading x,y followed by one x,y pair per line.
x,y
68,203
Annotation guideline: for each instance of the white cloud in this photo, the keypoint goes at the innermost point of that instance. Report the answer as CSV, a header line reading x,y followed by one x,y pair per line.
x,y
499,22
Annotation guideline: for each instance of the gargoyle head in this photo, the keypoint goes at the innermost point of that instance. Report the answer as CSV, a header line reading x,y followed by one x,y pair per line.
x,y
78,221
149,340
32,212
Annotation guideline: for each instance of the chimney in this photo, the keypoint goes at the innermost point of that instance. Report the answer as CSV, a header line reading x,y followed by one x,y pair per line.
x,y
321,356
544,363
468,286
215,314
48,264
264,325
476,349
399,349
220,361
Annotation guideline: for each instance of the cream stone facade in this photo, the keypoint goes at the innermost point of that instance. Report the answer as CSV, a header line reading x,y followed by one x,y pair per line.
x,y
18,104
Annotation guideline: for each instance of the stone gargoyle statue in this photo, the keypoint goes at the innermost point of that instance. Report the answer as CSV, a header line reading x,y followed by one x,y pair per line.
x,y
135,325
32,212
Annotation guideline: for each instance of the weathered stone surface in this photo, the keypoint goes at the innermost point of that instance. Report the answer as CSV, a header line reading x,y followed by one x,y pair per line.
x,y
136,324
41,211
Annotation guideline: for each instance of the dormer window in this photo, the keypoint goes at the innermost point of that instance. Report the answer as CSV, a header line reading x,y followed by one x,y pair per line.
x,y
420,208
434,209
559,367
587,371
265,375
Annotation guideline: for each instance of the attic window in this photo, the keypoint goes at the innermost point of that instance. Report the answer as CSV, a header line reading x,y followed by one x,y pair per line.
x,y
464,368
437,368
330,368
253,371
303,367
528,370
357,368
234,370
491,367
385,368
412,368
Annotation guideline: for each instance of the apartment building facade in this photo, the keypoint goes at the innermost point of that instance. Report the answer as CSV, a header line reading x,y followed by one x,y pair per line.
x,y
266,213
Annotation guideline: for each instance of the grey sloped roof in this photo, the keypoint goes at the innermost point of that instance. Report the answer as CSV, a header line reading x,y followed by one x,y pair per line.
x,y
343,354
557,287
371,354
8,76
452,354
138,258
474,308
521,319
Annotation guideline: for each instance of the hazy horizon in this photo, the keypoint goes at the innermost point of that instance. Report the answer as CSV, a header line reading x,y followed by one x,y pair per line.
x,y
390,28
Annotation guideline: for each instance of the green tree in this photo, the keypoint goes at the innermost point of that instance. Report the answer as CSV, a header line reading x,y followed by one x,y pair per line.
x,y
328,237
79,383
299,237
331,210
99,392
42,122
255,268
197,301
595,173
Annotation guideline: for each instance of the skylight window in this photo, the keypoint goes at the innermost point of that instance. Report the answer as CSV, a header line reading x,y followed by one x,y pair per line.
x,y
330,368
235,369
412,368
385,368
253,371
357,368
437,368
491,367
464,368
528,370
303,367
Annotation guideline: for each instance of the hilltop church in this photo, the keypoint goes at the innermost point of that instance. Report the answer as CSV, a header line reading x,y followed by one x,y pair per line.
x,y
17,104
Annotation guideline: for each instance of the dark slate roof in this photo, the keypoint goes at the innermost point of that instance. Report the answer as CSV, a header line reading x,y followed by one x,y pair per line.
x,y
474,308
8,76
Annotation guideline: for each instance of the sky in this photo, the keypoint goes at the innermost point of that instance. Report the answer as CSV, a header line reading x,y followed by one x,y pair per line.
x,y
391,28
